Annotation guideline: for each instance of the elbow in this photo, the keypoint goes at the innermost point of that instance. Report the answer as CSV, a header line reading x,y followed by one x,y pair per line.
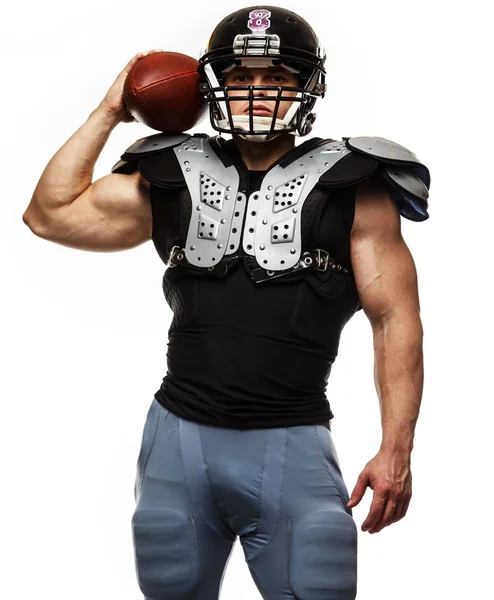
x,y
405,322
26,220
34,225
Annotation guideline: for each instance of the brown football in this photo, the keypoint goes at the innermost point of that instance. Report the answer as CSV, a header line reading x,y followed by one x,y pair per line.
x,y
162,91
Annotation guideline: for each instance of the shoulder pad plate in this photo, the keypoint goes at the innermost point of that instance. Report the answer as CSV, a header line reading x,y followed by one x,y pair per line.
x,y
389,152
153,143
408,179
381,148
162,169
144,147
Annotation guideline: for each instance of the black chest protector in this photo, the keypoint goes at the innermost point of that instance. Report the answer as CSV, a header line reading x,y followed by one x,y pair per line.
x,y
207,216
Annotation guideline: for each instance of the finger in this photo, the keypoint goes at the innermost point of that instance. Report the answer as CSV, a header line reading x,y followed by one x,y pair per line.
x,y
389,511
138,56
135,58
387,516
402,508
358,490
376,510
145,53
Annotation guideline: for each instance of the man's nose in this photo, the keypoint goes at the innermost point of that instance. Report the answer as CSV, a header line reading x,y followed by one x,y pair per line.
x,y
259,80
259,93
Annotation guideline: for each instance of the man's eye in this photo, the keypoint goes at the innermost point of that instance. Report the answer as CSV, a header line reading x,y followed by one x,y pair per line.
x,y
241,78
277,78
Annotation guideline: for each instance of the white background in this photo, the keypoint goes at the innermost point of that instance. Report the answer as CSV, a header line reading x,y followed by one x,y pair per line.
x,y
84,334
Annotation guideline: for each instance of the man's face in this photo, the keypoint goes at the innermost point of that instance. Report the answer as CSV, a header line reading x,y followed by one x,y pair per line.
x,y
274,76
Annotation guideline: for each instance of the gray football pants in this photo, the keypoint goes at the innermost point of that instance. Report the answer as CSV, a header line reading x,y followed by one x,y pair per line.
x,y
280,490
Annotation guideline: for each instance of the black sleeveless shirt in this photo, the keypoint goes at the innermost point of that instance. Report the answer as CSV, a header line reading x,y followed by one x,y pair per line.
x,y
249,355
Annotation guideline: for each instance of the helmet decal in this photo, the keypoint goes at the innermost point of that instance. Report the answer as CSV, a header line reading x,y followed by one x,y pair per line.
x,y
259,20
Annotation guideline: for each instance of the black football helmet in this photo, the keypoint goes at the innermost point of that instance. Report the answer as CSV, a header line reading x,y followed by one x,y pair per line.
x,y
263,36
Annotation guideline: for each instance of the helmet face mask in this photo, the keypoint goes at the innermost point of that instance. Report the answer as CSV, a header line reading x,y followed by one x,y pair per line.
x,y
262,38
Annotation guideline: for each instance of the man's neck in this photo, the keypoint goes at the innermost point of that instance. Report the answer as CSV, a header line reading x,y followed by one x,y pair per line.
x,y
259,156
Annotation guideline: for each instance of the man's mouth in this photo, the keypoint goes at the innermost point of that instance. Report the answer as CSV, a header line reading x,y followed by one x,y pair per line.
x,y
260,110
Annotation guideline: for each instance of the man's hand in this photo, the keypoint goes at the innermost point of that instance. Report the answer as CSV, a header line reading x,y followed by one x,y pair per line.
x,y
113,102
389,475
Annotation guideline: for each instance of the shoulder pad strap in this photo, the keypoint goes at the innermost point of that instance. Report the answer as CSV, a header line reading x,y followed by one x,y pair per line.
x,y
407,178
144,147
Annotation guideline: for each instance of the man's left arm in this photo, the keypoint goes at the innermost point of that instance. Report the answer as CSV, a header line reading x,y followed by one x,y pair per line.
x,y
386,281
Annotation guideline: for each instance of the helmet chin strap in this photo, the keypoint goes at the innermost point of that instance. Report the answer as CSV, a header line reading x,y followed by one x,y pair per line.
x,y
262,123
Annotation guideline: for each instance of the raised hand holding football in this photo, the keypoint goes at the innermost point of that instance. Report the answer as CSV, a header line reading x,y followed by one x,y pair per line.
x,y
162,91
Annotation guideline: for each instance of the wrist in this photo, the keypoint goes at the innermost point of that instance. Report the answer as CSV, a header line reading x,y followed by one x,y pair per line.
x,y
395,446
109,118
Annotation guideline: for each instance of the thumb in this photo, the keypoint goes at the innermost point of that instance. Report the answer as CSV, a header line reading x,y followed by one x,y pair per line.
x,y
358,491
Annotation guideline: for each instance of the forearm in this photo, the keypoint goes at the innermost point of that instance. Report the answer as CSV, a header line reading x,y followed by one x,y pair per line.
x,y
399,377
70,171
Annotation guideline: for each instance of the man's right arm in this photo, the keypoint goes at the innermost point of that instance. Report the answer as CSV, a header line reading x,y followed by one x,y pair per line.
x,y
111,214
114,212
